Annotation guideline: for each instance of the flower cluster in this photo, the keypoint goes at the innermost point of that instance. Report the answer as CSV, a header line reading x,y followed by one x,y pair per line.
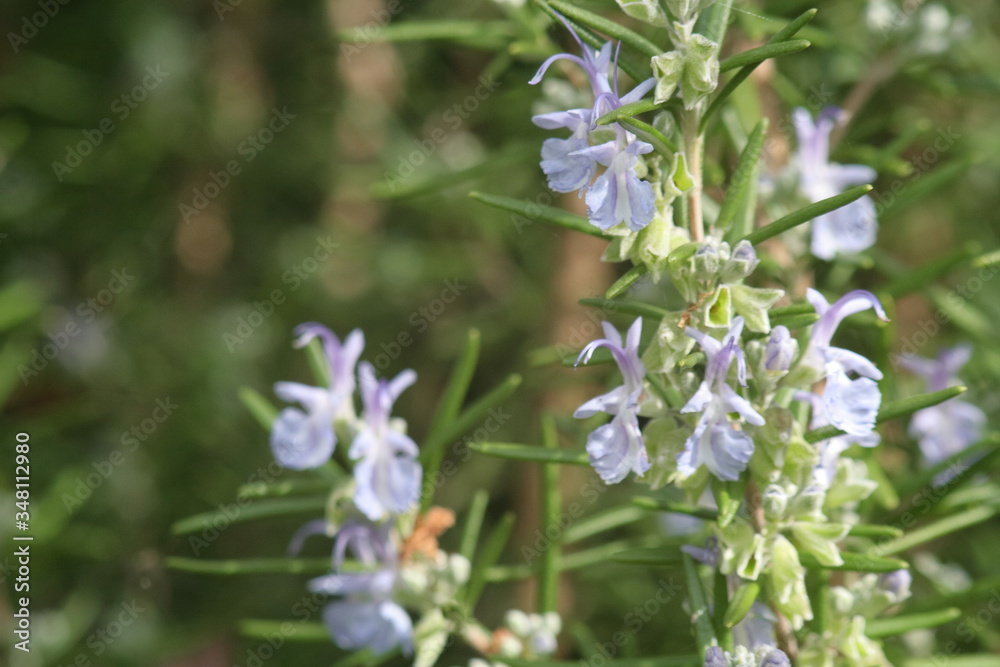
x,y
386,563
619,195
386,471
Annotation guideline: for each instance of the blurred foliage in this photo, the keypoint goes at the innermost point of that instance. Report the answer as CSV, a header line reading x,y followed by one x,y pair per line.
x,y
336,178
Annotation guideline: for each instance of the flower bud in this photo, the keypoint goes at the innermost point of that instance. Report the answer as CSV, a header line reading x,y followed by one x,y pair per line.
x,y
896,584
510,646
841,600
715,657
706,263
741,264
781,350
645,10
518,622
775,658
775,501
701,70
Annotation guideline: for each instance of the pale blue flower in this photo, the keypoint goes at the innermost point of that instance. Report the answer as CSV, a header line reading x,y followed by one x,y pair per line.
x,y
780,350
715,442
947,428
850,405
367,616
387,472
618,195
820,353
617,447
849,229
304,439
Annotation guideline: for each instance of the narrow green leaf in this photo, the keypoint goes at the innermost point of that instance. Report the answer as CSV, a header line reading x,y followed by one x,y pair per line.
x,y
700,618
762,53
245,510
479,34
854,562
955,462
610,306
973,595
720,603
287,629
806,214
488,556
396,186
529,453
927,184
602,522
677,508
250,565
782,35
447,412
794,309
740,605
469,417
929,272
629,110
473,524
660,661
794,322
659,141
626,281
259,407
291,487
892,410
599,357
608,27
648,556
862,530
743,179
979,660
938,529
989,259
877,628
540,213
551,507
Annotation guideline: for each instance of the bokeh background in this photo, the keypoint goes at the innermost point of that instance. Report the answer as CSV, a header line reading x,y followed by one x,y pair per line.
x,y
181,183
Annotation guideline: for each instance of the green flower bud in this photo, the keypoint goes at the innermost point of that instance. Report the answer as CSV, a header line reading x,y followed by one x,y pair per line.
x,y
701,70
648,11
774,501
667,68
685,10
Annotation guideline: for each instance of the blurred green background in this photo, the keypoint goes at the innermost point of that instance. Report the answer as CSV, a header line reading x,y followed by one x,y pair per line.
x,y
181,183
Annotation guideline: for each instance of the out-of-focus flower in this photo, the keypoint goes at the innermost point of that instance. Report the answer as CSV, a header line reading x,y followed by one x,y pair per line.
x,y
387,472
947,428
715,442
617,447
849,229
305,439
367,616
